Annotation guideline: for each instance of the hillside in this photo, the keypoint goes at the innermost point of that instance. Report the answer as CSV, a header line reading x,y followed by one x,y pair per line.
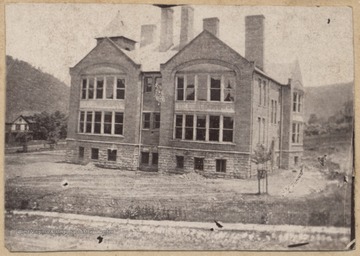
x,y
30,90
325,101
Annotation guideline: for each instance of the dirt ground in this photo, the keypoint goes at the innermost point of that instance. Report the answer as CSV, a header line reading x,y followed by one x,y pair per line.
x,y
36,181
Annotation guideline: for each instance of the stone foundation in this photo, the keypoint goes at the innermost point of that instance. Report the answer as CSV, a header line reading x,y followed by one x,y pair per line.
x,y
237,164
127,156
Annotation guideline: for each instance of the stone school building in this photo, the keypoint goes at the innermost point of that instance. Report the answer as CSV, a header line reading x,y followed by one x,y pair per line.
x,y
195,105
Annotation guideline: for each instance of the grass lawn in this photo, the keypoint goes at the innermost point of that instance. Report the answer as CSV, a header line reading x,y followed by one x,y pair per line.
x,y
36,181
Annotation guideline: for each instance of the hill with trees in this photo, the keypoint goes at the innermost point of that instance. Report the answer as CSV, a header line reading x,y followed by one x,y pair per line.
x,y
30,90
325,101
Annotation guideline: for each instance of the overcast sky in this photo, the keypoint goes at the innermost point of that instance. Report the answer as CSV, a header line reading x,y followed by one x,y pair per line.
x,y
55,37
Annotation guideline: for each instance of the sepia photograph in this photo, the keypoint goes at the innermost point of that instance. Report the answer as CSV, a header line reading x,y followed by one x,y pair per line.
x,y
178,127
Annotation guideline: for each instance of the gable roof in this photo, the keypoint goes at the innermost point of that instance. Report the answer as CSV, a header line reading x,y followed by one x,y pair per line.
x,y
106,39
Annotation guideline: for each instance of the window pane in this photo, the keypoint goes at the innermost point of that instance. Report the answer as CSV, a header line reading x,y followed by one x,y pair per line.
x,y
202,88
107,122
189,124
88,122
228,122
190,87
214,122
228,135
97,124
213,135
120,91
119,117
178,133
180,88
110,87
294,101
146,124
229,85
99,87
179,120
156,120
91,88
215,85
148,84
83,90
201,128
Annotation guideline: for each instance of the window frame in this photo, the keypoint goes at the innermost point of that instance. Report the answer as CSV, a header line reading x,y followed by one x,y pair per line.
x,y
201,159
180,162
220,165
146,124
92,153
110,157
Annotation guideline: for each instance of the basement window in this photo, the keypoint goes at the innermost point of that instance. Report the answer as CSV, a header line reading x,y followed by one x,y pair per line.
x,y
145,158
81,152
220,165
180,162
155,158
95,153
199,163
112,155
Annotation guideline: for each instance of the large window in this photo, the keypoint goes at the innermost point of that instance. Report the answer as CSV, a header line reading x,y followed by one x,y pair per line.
x,y
296,133
180,88
297,102
101,122
99,87
215,88
201,127
146,120
103,87
212,128
151,120
189,127
156,120
273,116
148,82
205,87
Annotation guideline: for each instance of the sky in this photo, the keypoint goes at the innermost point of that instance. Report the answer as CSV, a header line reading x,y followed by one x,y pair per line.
x,y
55,37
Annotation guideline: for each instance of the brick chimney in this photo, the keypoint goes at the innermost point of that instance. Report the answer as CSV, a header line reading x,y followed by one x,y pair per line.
x,y
254,39
166,30
147,34
187,25
211,25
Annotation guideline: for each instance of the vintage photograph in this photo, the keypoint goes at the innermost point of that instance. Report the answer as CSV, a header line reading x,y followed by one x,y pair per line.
x,y
179,127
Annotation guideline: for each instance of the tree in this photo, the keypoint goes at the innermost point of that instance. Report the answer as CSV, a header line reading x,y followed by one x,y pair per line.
x,y
313,119
51,126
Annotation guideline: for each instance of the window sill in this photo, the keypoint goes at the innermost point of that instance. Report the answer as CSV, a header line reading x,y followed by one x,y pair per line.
x,y
205,101
205,142
100,134
100,99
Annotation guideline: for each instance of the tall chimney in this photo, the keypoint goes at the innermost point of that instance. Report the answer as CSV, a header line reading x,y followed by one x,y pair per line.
x,y
187,25
166,31
254,39
147,34
211,25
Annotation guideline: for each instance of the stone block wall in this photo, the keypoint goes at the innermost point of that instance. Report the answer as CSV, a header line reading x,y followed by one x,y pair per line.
x,y
127,156
237,164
